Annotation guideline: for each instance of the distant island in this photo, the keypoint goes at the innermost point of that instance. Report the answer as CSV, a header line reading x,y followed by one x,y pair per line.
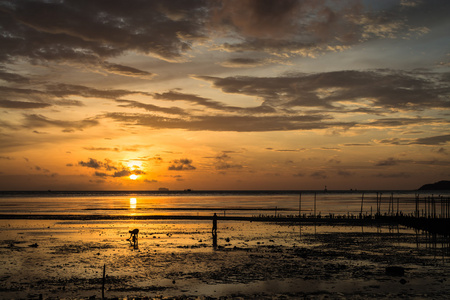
x,y
438,186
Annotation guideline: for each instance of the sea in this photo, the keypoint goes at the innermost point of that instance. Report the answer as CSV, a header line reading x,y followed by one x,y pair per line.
x,y
227,203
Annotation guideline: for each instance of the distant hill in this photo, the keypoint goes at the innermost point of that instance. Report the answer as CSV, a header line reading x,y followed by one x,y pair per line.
x,y
440,185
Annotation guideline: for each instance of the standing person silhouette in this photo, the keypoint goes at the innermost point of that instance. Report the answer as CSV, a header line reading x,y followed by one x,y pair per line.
x,y
214,231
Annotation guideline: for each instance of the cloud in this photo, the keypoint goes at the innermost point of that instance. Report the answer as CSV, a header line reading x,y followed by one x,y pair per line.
x,y
388,162
12,77
344,173
230,123
89,31
151,107
319,174
286,150
393,175
223,162
126,70
242,62
37,121
433,140
22,104
309,27
390,89
92,163
108,168
127,172
357,145
395,122
183,164
101,149
290,26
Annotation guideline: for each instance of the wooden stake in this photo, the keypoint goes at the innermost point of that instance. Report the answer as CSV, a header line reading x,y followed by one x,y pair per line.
x,y
103,282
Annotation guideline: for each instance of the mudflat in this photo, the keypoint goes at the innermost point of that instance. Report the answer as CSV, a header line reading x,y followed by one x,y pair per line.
x,y
176,259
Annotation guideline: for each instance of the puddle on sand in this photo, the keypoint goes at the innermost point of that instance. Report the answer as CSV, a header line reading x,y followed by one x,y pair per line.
x,y
175,258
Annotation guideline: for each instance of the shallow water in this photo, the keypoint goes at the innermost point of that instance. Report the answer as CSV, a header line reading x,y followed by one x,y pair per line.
x,y
204,203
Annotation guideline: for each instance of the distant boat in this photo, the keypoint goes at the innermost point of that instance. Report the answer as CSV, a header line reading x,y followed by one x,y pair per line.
x,y
163,189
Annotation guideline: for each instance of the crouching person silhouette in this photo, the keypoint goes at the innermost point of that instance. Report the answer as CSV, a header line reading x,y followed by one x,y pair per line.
x,y
134,238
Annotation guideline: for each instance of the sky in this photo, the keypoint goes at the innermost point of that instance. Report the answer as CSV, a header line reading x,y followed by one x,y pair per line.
x,y
224,95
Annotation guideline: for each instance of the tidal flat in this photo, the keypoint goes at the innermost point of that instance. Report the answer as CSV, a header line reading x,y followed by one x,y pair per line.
x,y
64,259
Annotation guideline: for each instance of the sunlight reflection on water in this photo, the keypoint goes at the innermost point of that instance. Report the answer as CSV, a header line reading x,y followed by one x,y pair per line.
x,y
133,202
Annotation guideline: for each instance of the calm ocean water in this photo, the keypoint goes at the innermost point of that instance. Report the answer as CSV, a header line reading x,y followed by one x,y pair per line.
x,y
251,203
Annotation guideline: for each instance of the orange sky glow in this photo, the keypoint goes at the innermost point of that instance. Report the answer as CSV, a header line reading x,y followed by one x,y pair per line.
x,y
224,95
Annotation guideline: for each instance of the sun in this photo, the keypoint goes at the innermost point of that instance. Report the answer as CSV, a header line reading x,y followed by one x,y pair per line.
x,y
133,176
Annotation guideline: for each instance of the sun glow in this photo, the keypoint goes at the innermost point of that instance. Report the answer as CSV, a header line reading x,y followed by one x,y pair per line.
x,y
133,176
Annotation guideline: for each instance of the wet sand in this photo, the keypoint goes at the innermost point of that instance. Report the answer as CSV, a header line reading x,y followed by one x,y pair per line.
x,y
175,259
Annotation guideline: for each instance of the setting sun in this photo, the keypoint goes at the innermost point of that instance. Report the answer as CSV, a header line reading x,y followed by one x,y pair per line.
x,y
133,177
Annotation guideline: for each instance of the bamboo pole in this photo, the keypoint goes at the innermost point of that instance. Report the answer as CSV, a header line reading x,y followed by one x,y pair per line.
x,y
362,202
300,205
314,205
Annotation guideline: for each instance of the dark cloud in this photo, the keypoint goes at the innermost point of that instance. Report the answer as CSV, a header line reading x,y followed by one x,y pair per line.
x,y
319,175
442,151
12,77
54,94
388,162
224,162
39,132
230,123
288,25
198,100
37,121
127,172
393,175
101,149
100,174
108,168
22,104
433,140
395,122
286,150
88,31
151,107
344,173
310,27
242,62
126,71
183,164
357,145
414,90
92,163
395,141
61,90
